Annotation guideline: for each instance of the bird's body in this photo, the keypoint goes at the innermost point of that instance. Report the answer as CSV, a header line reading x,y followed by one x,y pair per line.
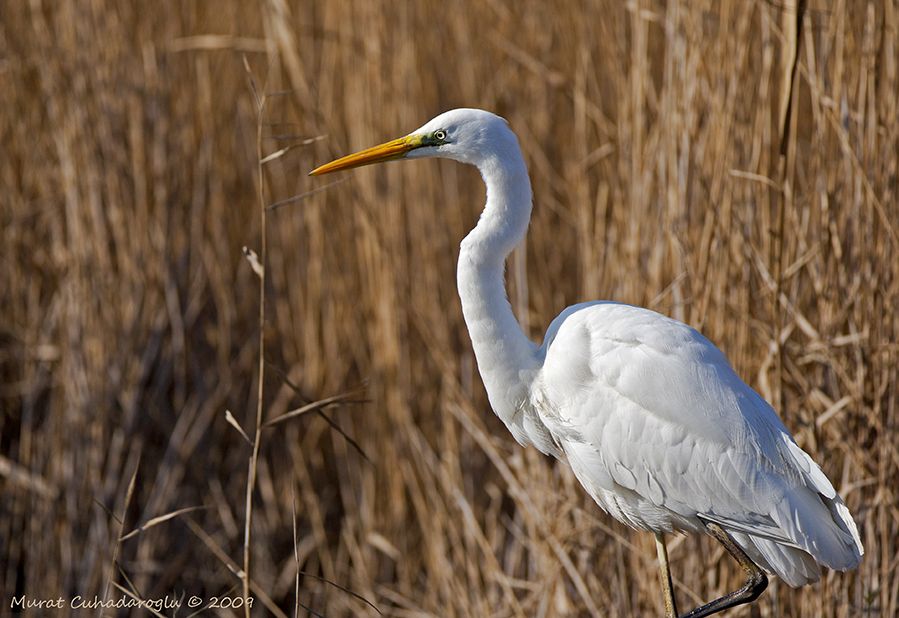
x,y
648,413
697,446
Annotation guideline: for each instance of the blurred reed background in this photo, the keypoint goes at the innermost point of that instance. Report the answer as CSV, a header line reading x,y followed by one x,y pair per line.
x,y
652,130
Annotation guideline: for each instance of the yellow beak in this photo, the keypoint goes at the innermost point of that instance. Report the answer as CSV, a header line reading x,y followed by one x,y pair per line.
x,y
395,149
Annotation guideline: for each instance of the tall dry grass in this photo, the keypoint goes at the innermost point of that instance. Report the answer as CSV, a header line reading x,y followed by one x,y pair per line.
x,y
652,130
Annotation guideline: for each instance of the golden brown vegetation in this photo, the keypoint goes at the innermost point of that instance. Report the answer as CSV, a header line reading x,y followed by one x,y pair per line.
x,y
652,130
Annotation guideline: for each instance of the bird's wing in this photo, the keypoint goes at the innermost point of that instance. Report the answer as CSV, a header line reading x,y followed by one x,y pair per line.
x,y
648,404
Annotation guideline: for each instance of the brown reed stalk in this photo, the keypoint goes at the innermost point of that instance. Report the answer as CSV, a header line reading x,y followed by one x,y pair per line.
x,y
259,97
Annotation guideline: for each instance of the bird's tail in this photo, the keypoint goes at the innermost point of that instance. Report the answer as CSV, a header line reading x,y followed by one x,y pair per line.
x,y
839,550
795,566
817,529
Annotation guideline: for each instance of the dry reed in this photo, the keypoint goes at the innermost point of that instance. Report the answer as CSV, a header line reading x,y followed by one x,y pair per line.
x,y
652,130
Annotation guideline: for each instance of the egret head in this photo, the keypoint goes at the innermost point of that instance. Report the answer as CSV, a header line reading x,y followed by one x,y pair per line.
x,y
466,135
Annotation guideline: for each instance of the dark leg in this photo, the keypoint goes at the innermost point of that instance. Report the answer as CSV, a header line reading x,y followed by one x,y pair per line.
x,y
665,577
756,580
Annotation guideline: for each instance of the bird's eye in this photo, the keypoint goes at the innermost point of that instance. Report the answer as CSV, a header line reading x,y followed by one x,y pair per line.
x,y
440,134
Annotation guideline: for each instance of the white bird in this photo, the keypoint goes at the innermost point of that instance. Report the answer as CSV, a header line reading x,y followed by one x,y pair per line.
x,y
655,424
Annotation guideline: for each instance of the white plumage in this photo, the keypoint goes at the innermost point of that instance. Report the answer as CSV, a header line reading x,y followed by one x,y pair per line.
x,y
661,432
653,421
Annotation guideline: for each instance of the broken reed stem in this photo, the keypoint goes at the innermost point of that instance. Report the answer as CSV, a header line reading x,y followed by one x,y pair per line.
x,y
792,29
259,99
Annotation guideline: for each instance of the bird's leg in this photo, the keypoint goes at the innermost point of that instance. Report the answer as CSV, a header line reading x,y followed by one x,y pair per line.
x,y
665,577
756,580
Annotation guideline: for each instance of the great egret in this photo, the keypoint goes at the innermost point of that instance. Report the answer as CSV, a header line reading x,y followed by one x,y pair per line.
x,y
648,413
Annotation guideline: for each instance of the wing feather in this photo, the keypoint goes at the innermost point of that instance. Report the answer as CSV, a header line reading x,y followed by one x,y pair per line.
x,y
645,406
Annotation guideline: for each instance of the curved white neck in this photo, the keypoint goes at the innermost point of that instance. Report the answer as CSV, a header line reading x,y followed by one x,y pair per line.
x,y
506,358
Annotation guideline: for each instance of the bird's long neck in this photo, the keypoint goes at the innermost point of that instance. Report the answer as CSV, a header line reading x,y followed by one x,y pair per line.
x,y
506,357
